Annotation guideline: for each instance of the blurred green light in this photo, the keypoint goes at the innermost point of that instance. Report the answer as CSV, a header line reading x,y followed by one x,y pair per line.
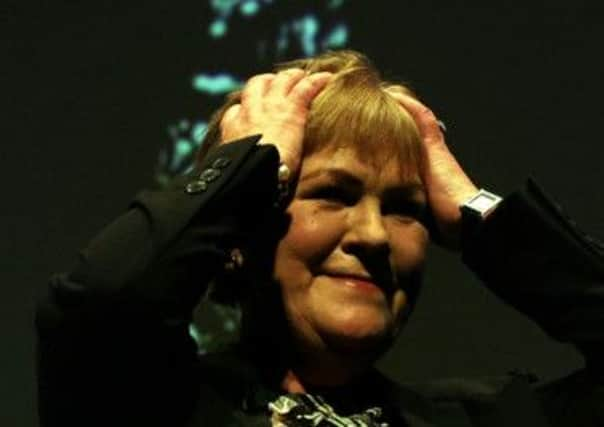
x,y
337,38
198,132
215,85
283,39
194,333
183,125
218,28
249,8
307,29
224,6
183,148
230,325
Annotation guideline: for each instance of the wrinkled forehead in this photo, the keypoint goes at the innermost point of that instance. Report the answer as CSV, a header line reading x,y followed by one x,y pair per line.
x,y
387,158
374,169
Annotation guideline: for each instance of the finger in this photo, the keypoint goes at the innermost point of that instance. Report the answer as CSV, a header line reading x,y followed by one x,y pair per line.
x,y
228,123
256,88
309,87
398,89
426,121
400,97
285,80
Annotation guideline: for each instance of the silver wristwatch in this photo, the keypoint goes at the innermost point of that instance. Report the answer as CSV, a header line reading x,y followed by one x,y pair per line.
x,y
480,205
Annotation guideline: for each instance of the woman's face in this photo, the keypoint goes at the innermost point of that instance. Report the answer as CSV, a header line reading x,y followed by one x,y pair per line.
x,y
351,260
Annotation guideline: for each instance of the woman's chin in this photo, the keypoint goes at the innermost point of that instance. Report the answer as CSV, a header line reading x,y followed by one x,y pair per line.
x,y
361,334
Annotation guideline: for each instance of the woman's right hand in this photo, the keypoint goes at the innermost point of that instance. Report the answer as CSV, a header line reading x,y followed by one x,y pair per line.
x,y
276,106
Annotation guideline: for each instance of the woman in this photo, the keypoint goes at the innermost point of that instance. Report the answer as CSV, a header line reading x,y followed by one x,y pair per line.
x,y
315,194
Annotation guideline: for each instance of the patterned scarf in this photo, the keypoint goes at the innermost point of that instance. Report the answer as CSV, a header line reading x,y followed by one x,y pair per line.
x,y
305,410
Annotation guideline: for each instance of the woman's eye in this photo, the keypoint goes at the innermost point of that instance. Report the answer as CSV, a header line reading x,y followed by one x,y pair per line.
x,y
406,209
334,194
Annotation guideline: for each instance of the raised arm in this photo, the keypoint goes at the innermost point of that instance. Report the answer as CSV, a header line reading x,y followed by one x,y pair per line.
x,y
533,256
113,333
113,344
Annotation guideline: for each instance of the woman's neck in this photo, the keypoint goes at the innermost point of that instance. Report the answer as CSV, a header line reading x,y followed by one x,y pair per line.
x,y
325,370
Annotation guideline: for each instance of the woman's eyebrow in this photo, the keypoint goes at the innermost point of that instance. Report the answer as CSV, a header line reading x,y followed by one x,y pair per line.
x,y
411,188
339,175
410,191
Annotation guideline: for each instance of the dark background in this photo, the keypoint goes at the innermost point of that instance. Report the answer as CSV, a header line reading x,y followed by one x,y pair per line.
x,y
90,90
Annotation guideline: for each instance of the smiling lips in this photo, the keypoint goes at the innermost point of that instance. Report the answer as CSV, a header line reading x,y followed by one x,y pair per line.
x,y
361,283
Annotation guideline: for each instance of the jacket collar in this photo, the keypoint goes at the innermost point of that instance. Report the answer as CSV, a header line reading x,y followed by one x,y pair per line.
x,y
250,387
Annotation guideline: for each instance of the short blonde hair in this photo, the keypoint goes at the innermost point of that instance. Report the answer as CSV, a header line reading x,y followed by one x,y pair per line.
x,y
353,109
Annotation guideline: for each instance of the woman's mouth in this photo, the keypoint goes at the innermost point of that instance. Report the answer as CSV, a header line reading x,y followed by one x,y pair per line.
x,y
359,283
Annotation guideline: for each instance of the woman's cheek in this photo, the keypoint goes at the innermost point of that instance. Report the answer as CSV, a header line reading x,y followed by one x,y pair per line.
x,y
409,245
314,233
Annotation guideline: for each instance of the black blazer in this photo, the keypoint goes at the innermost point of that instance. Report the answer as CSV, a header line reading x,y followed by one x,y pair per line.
x,y
114,347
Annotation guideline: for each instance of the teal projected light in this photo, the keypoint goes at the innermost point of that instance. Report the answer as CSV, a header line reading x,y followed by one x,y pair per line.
x,y
315,28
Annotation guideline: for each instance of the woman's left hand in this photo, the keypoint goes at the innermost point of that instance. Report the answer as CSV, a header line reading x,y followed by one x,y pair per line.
x,y
447,185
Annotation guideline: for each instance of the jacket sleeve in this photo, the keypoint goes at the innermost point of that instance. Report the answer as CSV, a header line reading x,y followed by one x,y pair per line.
x,y
533,256
113,342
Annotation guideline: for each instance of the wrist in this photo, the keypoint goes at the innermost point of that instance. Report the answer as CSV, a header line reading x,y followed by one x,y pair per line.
x,y
289,157
480,205
474,212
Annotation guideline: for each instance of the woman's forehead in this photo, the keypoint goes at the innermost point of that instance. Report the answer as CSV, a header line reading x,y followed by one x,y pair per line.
x,y
371,168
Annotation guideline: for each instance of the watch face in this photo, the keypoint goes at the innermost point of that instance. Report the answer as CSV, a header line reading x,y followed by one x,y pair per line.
x,y
483,203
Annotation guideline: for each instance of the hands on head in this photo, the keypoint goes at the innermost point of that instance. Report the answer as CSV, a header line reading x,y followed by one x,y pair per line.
x,y
276,105
447,185
358,225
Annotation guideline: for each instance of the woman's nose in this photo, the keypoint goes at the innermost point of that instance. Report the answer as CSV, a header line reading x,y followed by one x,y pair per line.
x,y
366,230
